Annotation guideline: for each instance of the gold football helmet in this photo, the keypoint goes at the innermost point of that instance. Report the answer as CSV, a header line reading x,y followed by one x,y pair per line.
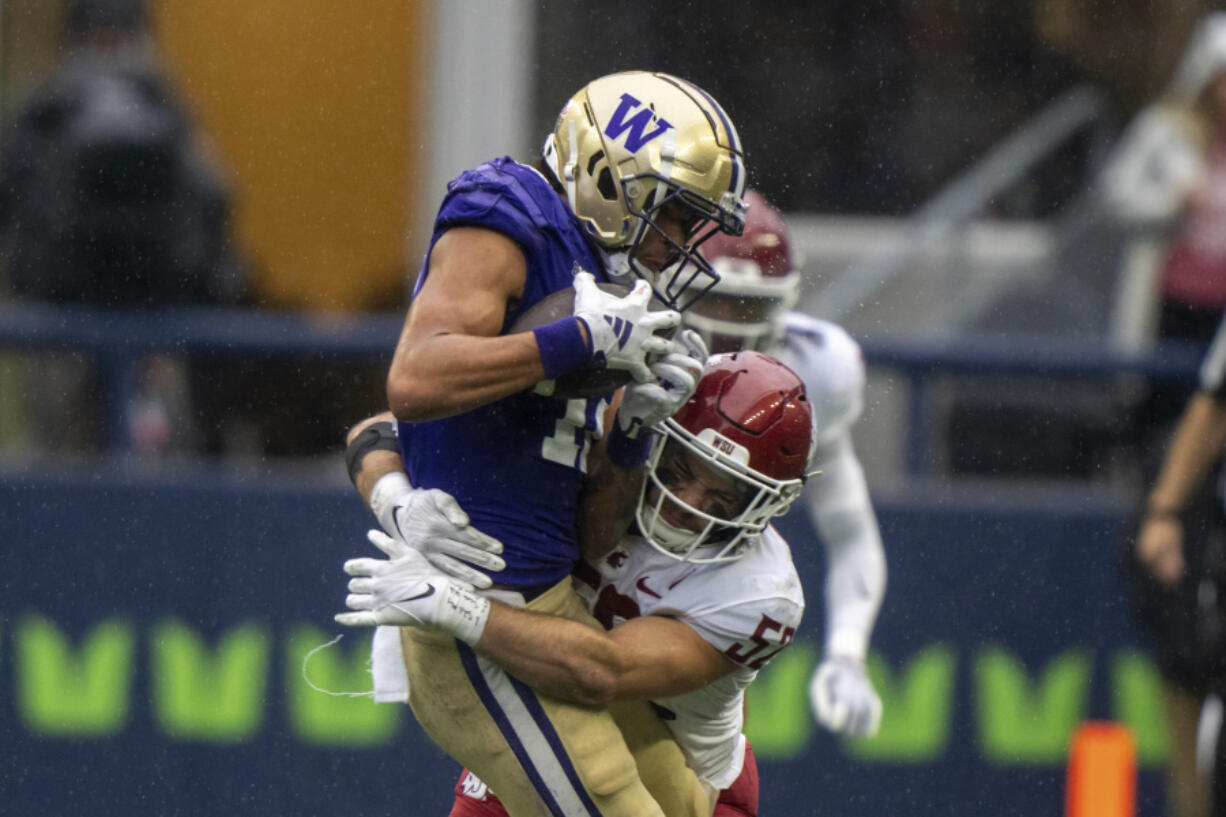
x,y
632,143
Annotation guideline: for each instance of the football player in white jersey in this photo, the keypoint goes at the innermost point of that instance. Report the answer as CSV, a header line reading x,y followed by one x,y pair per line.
x,y
749,309
696,599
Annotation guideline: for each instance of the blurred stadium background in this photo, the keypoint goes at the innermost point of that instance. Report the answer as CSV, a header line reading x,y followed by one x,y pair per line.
x,y
170,558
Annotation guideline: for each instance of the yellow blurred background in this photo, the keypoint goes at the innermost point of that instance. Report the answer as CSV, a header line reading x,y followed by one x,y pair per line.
x,y
314,108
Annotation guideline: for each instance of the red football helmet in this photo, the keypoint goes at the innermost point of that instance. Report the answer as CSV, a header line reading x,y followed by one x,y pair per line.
x,y
750,426
758,283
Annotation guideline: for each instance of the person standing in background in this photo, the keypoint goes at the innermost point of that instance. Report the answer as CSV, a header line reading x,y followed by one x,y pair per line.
x,y
1162,547
1166,187
110,197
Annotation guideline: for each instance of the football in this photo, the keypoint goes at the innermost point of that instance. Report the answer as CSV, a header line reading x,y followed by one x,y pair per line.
x,y
581,383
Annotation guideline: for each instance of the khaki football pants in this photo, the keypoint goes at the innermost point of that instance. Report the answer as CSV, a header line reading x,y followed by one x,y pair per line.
x,y
544,757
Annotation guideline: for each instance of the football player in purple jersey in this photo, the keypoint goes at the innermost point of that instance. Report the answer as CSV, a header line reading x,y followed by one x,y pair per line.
x,y
640,169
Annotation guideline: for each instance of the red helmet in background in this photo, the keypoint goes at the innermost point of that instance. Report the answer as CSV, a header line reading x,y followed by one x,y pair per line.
x,y
758,283
749,420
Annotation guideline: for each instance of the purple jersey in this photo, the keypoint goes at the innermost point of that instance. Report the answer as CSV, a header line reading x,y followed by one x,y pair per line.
x,y
516,466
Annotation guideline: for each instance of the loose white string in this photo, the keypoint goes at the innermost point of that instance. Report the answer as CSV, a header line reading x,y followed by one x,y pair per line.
x,y
306,658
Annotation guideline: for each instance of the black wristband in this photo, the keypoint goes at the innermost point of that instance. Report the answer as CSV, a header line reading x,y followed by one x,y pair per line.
x,y
380,436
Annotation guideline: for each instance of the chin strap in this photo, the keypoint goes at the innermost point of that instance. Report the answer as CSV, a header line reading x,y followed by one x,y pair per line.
x,y
568,172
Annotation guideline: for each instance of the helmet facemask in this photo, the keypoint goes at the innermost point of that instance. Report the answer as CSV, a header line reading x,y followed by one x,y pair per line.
x,y
685,275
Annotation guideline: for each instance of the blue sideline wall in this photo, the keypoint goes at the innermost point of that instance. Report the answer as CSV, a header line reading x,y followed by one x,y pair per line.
x,y
153,626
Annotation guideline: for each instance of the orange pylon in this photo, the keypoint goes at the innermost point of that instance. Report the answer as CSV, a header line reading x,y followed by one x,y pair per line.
x,y
1102,772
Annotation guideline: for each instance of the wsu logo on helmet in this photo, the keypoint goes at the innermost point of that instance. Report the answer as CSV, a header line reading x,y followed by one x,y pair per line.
x,y
635,127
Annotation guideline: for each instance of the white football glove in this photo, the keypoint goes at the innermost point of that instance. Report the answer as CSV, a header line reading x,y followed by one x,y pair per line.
x,y
843,698
621,330
407,591
675,376
432,522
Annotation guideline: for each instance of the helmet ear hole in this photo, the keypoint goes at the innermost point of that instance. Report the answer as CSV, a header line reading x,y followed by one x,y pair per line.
x,y
591,164
604,183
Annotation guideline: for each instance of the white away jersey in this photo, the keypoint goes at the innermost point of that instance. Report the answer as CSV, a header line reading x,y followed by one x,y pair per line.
x,y
831,365
747,609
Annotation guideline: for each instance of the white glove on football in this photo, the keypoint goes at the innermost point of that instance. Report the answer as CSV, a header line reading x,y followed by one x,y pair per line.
x,y
675,376
843,698
621,330
407,591
432,522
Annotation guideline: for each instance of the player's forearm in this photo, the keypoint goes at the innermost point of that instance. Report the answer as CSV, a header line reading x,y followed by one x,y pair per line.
x,y
563,658
375,466
379,477
1196,444
447,374
856,567
855,586
606,507
645,658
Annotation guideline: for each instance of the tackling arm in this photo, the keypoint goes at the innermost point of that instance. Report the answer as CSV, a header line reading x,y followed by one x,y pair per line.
x,y
644,658
606,505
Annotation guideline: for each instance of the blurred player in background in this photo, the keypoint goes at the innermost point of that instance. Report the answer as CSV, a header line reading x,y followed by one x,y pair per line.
x,y
749,309
1196,445
640,168
696,598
